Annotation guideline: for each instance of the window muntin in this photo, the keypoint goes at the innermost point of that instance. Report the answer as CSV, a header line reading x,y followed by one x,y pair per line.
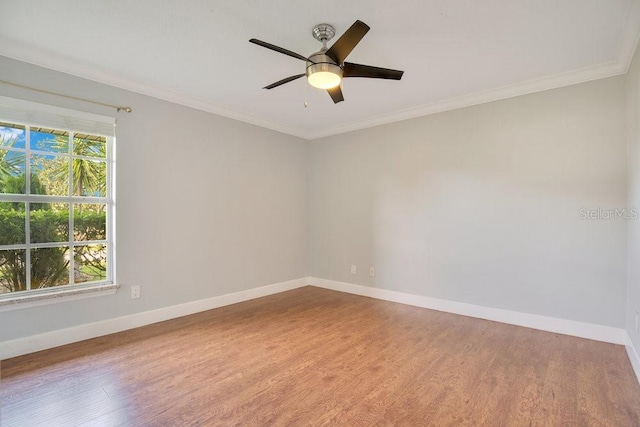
x,y
53,181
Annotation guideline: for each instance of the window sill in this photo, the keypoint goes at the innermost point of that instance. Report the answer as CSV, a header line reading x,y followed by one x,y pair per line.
x,y
14,302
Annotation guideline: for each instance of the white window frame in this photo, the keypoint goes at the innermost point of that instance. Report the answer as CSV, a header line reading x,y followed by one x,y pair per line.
x,y
29,115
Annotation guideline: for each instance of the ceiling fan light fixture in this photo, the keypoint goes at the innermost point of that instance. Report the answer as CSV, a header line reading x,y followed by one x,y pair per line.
x,y
324,79
323,74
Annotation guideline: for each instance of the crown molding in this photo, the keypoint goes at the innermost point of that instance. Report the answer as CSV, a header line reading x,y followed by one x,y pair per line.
x,y
618,66
555,81
627,48
40,58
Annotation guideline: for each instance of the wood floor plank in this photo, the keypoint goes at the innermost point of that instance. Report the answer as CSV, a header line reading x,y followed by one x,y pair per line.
x,y
317,357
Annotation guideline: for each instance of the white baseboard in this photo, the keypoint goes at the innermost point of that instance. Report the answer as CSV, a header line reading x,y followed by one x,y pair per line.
x,y
562,326
633,356
60,337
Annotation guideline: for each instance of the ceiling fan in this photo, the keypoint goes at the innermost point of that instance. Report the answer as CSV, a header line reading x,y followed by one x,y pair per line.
x,y
326,68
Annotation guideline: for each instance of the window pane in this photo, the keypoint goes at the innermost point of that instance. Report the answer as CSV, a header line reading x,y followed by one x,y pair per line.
x,y
49,267
54,141
89,222
49,175
13,271
12,135
89,178
90,263
90,145
12,172
12,223
50,223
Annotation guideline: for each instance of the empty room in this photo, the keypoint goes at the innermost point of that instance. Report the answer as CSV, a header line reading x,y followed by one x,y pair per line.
x,y
414,213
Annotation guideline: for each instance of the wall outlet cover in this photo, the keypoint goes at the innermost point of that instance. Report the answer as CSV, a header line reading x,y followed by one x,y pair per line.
x,y
135,292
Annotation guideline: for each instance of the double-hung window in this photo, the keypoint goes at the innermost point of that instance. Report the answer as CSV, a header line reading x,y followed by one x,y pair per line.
x,y
56,199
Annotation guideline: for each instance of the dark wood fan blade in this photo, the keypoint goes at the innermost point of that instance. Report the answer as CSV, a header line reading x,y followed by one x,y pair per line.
x,y
358,70
278,49
283,81
345,44
336,94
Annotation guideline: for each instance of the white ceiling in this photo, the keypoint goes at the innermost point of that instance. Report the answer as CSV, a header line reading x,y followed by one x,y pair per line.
x,y
454,52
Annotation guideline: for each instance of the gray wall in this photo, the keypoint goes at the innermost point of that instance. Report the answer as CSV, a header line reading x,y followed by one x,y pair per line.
x,y
482,205
478,205
205,205
633,138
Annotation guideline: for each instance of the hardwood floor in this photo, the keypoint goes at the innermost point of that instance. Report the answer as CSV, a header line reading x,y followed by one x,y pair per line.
x,y
317,357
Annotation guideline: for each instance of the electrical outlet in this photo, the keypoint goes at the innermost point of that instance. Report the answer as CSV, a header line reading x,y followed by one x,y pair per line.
x,y
372,272
353,269
135,292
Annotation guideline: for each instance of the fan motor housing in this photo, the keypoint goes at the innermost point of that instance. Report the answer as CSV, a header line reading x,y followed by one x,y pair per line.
x,y
322,63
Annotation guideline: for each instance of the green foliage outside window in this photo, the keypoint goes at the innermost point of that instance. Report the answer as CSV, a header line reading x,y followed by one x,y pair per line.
x,y
49,222
49,266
